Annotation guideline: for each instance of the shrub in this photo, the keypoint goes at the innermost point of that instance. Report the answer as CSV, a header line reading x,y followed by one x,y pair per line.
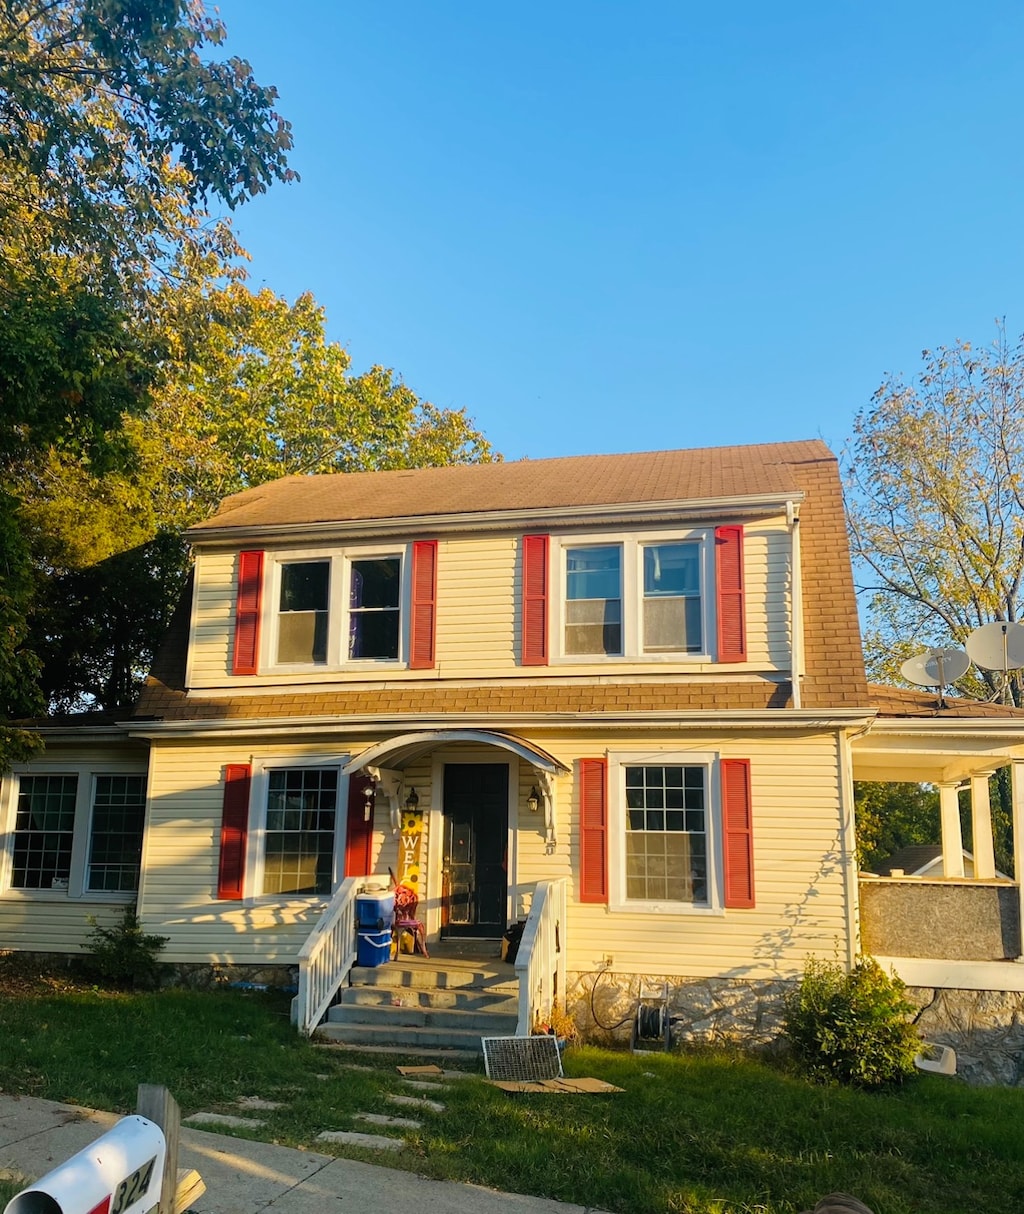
x,y
124,954
852,1027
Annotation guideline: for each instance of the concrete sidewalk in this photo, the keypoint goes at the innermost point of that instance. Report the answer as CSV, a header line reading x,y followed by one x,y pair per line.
x,y
244,1177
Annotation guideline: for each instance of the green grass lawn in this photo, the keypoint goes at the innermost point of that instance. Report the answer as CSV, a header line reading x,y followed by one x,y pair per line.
x,y
695,1132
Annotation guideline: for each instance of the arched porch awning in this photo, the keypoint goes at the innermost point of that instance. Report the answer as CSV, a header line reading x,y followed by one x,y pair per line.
x,y
397,752
386,761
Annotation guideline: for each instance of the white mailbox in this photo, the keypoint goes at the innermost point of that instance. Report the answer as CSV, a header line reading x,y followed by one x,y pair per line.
x,y
119,1173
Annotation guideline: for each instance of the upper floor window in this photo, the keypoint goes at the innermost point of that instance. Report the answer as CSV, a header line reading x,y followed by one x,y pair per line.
x,y
338,609
77,834
636,598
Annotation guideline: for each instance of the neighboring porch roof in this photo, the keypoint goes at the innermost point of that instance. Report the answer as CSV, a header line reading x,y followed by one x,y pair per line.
x,y
406,748
914,740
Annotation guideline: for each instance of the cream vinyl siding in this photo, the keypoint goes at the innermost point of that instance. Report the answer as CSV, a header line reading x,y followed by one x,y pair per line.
x,y
182,853
35,925
477,606
51,920
798,868
479,594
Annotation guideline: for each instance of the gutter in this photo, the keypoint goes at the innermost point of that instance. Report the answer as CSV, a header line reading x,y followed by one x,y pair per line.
x,y
728,720
547,517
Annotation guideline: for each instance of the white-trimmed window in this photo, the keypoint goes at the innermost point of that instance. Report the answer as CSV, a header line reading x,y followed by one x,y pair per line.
x,y
664,814
643,598
338,610
296,830
76,833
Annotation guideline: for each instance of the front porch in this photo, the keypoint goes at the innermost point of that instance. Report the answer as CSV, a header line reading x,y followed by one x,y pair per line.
x,y
960,925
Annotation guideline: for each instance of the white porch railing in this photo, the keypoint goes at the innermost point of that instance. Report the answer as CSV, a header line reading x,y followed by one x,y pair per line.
x,y
540,962
327,956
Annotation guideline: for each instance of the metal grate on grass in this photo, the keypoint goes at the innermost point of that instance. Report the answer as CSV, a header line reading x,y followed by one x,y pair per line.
x,y
522,1058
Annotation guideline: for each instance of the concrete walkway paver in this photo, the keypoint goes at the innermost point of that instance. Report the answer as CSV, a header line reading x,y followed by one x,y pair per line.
x,y
245,1177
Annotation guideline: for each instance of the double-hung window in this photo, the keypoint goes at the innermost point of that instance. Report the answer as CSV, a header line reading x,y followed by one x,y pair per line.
x,y
664,813
332,611
641,598
77,833
299,830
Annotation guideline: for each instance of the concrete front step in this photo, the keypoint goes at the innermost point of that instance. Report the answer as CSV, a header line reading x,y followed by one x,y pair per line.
x,y
408,1038
438,1053
439,976
463,999
483,1023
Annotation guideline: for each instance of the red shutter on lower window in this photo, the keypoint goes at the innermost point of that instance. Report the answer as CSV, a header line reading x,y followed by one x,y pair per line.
x,y
731,599
535,600
737,832
234,828
593,830
246,654
423,618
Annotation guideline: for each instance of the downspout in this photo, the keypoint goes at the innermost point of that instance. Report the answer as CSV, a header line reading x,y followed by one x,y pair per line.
x,y
796,601
848,843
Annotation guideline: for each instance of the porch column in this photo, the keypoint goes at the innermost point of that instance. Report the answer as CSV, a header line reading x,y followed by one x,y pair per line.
x,y
952,835
1017,800
981,827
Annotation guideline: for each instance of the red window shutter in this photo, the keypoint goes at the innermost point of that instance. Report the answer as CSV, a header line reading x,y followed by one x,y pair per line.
x,y
358,831
593,830
738,833
246,655
422,621
234,828
731,605
535,600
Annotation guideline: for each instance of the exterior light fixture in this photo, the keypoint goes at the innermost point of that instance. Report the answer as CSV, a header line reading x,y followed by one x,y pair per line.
x,y
368,798
412,800
533,800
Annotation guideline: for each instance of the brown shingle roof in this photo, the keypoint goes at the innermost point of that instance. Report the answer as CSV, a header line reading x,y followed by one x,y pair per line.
x,y
434,699
903,702
834,665
581,480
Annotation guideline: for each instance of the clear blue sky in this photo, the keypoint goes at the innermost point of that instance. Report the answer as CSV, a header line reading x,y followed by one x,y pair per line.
x,y
627,226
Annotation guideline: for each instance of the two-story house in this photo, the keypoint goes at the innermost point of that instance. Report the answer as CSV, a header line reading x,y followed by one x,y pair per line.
x,y
623,695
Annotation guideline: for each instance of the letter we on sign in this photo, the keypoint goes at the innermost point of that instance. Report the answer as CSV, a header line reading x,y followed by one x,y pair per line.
x,y
410,847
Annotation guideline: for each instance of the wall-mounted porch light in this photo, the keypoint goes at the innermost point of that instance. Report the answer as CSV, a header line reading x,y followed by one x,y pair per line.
x,y
412,801
369,796
533,800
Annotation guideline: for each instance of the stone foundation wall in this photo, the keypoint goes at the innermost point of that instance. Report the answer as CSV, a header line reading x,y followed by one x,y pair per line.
x,y
986,1028
212,977
716,1011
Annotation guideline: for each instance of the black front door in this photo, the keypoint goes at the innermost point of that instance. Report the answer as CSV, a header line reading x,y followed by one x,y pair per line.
x,y
474,874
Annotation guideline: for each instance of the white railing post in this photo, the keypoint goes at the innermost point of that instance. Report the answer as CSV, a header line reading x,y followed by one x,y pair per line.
x,y
327,956
540,961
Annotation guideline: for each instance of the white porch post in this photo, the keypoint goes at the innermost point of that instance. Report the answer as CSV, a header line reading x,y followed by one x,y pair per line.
x,y
981,827
1017,799
952,835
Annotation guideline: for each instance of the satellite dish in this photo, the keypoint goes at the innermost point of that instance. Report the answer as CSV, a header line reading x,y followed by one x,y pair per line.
x,y
998,646
936,667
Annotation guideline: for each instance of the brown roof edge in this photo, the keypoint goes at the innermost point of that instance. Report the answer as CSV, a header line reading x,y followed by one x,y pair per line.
x,y
896,702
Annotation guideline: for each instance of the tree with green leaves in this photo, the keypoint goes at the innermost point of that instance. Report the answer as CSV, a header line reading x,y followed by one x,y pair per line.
x,y
251,390
935,503
120,122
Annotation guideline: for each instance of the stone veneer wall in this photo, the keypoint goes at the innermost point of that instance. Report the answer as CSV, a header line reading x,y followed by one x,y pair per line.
x,y
713,1010
986,1028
